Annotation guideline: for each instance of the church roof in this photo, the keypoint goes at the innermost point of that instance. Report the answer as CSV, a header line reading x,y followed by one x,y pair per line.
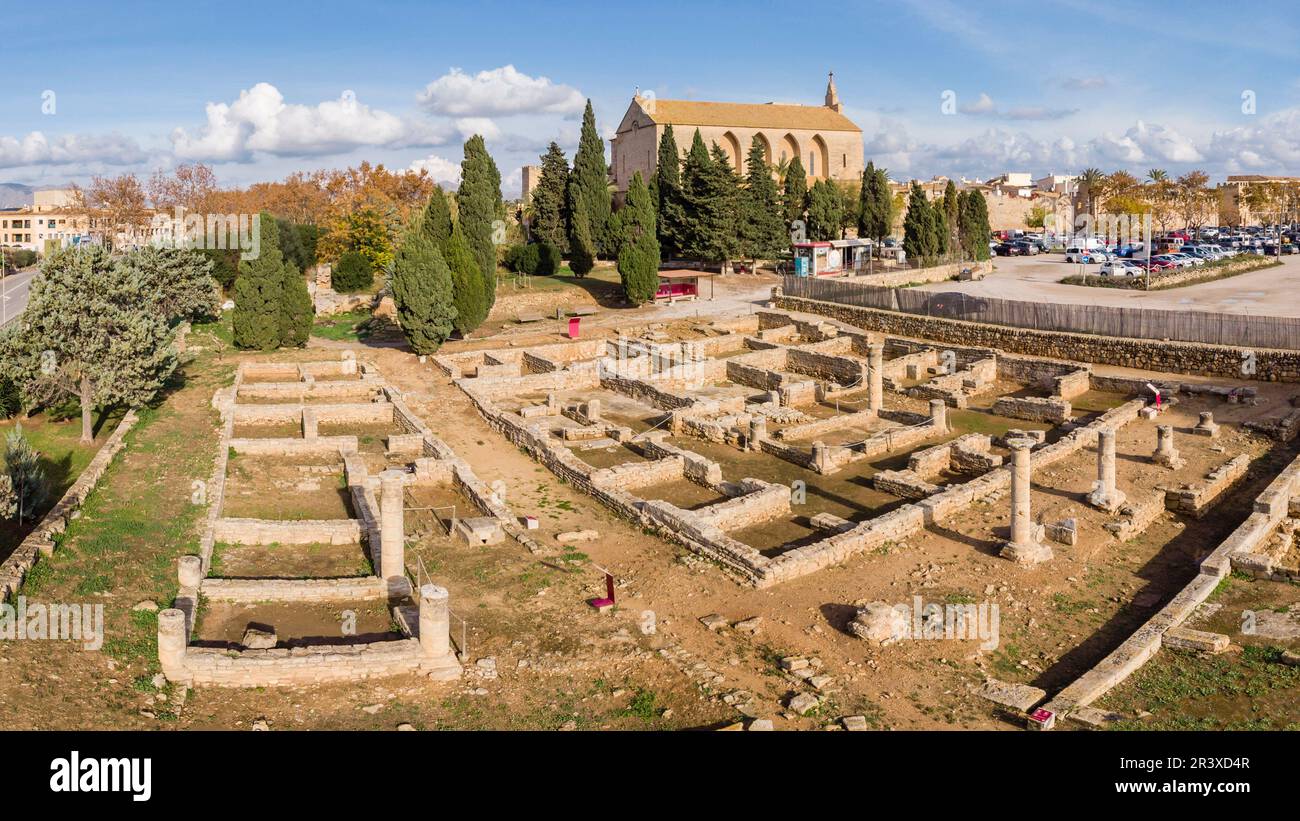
x,y
748,115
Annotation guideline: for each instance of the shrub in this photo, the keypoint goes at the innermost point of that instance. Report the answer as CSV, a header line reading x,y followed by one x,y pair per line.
x,y
11,398
352,273
548,259
522,259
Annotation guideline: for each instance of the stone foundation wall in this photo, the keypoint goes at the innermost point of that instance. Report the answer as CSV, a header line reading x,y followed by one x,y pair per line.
x,y
1034,408
1146,354
320,446
1195,500
299,665
282,531
760,502
360,588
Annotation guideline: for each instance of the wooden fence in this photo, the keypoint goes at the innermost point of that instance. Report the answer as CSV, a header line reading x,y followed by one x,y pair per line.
x,y
1101,320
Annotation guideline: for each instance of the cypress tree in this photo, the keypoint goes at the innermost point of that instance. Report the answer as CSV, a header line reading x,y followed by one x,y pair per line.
x,y
973,225
796,191
951,215
422,291
666,192
436,222
259,290
709,201
582,245
638,258
590,183
479,201
296,308
762,231
550,200
825,212
873,219
918,236
466,284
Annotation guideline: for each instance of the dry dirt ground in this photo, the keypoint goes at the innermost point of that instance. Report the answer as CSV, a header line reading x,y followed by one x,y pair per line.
x,y
540,658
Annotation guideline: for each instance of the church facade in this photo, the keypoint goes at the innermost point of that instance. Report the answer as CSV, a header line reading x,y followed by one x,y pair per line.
x,y
828,143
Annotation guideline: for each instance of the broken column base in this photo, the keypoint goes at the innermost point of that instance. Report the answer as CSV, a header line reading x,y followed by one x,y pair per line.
x,y
879,623
1028,552
445,668
1109,502
1172,460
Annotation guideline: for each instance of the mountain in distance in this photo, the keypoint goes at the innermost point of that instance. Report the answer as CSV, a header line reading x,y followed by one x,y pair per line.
x,y
15,195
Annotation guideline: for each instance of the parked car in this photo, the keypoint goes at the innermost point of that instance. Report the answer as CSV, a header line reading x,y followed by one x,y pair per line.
x,y
1121,268
1076,253
1009,249
1027,247
1270,250
1172,261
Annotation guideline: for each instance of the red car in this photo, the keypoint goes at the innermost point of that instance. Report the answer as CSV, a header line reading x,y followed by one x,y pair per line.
x,y
1157,264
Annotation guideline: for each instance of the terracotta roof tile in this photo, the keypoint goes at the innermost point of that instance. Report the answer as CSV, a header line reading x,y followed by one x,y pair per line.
x,y
750,115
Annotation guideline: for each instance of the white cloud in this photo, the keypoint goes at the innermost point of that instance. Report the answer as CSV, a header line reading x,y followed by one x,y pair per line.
x,y
499,92
69,149
1272,145
1146,142
441,170
483,126
985,107
1084,83
260,121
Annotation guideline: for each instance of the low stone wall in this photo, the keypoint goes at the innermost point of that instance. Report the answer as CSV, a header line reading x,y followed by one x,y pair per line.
x,y
1034,408
299,391
359,588
299,665
320,446
279,531
817,427
1195,500
760,502
920,276
1146,354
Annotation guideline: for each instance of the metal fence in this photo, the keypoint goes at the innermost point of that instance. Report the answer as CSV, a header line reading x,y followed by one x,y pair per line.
x,y
1100,320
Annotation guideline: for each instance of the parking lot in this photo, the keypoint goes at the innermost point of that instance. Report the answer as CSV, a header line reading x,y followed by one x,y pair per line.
x,y
1271,292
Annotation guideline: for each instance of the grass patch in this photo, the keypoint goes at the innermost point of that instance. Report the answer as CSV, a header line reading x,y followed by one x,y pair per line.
x,y
350,327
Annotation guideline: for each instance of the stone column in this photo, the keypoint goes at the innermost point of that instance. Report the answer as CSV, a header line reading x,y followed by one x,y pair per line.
x,y
189,572
1166,454
309,423
820,456
392,529
939,414
435,622
757,430
171,645
876,379
436,658
1026,543
1105,496
1207,426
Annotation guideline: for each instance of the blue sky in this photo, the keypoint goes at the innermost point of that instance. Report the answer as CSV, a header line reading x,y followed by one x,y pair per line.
x,y
1045,86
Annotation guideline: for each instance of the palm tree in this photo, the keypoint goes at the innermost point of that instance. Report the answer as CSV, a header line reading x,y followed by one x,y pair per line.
x,y
1157,175
1092,181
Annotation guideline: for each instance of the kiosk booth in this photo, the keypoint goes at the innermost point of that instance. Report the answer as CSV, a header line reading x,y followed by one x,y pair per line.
x,y
840,257
682,284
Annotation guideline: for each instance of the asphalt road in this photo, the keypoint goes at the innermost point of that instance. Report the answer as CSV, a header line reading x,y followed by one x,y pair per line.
x,y
1269,292
13,294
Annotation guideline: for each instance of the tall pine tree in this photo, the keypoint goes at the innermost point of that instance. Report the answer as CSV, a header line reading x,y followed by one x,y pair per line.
x,y
589,185
763,233
479,203
666,191
638,258
550,208
873,218
422,291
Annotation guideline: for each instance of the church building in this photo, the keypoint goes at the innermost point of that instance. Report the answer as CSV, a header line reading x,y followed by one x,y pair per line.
x,y
827,142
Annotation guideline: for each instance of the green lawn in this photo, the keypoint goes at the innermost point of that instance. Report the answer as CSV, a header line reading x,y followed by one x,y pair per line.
x,y
342,327
62,456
